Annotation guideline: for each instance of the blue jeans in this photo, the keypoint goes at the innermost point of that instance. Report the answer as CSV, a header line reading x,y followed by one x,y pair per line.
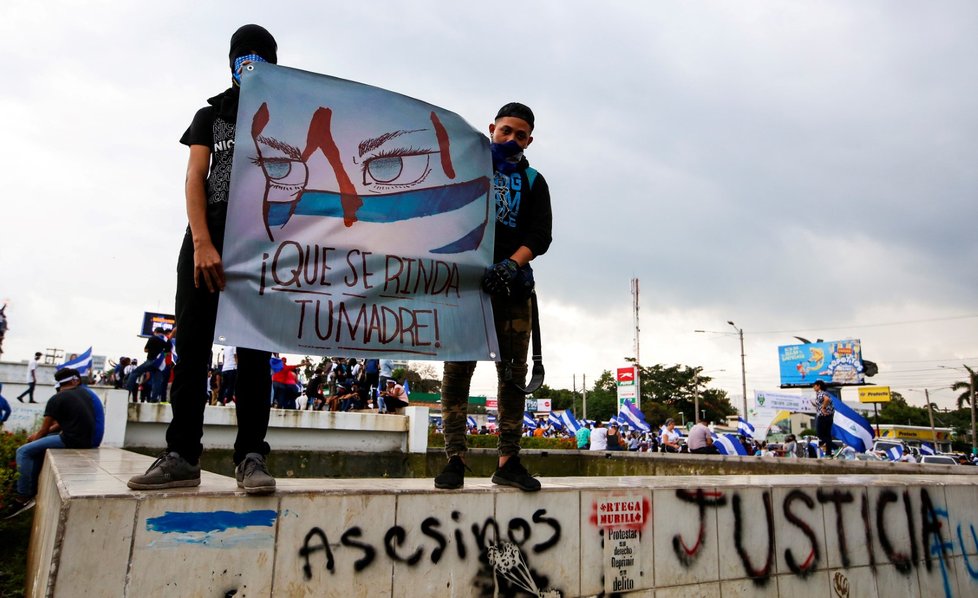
x,y
30,457
4,407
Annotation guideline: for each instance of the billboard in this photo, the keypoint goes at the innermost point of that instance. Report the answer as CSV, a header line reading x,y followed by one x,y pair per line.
x,y
835,362
152,321
874,394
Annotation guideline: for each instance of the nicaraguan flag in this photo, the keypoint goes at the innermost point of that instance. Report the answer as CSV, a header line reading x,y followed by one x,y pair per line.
x,y
729,444
82,363
554,421
491,419
407,389
894,453
471,422
569,421
529,421
632,416
927,448
851,428
745,427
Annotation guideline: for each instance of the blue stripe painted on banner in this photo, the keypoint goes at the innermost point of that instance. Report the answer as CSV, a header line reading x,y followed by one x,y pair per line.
x,y
391,207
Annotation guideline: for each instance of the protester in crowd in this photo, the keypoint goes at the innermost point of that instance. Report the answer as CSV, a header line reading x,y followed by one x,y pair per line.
x,y
229,375
314,390
31,379
73,418
393,397
523,232
155,346
790,446
700,440
5,410
669,437
824,414
599,437
633,442
200,276
285,384
614,437
583,437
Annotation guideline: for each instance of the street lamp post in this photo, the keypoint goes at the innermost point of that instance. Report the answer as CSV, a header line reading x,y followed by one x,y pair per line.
x,y
743,367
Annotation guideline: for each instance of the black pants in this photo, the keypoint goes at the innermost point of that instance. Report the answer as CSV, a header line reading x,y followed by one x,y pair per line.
x,y
29,393
196,314
823,429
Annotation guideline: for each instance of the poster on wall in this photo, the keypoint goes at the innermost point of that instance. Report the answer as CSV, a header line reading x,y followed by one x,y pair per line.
x,y
359,223
835,362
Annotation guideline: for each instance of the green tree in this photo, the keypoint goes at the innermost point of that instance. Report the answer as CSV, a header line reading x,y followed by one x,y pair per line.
x,y
899,412
966,385
666,391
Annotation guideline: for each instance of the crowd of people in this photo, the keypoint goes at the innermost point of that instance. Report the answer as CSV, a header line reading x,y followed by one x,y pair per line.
x,y
336,384
666,438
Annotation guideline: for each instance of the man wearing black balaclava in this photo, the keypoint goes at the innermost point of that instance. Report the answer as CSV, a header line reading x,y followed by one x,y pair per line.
x,y
200,277
523,232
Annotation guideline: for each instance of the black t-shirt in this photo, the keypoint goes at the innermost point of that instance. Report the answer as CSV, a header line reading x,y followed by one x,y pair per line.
x,y
154,346
73,411
213,126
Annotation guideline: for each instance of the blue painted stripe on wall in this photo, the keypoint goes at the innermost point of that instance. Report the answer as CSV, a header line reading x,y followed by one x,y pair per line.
x,y
210,521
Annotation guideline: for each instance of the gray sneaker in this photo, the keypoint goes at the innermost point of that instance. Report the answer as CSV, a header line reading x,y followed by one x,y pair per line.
x,y
170,470
252,475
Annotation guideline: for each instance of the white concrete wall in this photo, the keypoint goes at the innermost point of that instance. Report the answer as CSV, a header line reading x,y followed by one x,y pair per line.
x,y
792,536
144,425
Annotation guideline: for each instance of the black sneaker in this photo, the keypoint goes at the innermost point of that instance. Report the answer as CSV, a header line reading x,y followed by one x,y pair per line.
x,y
18,504
514,474
170,470
453,476
252,475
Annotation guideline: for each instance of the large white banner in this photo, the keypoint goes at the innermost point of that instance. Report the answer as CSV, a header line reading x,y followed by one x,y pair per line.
x,y
359,223
782,401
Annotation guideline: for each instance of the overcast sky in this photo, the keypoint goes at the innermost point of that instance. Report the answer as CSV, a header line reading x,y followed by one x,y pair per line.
x,y
799,168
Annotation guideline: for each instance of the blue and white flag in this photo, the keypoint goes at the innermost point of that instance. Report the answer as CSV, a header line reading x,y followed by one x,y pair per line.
x,y
407,389
529,421
554,421
729,444
570,422
927,448
471,422
894,453
491,419
851,428
745,427
82,363
633,417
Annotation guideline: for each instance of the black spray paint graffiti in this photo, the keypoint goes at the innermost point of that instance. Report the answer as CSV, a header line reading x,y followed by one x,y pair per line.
x,y
400,545
798,508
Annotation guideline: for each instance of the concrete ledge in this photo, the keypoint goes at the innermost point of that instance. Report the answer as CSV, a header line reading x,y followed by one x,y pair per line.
x,y
290,429
750,535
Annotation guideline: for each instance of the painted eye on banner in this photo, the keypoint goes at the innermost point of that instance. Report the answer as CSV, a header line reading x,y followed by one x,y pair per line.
x,y
284,172
398,168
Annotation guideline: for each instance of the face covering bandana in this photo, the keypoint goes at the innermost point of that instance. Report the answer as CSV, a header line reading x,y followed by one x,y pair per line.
x,y
236,71
506,156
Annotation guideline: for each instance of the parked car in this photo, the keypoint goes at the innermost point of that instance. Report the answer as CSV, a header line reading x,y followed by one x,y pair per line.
x,y
938,460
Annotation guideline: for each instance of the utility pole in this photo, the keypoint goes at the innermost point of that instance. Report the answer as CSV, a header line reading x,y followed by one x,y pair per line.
x,y
930,412
584,394
743,366
974,441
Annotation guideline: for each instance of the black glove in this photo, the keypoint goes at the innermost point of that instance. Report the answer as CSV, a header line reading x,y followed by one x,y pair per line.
x,y
499,277
522,284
